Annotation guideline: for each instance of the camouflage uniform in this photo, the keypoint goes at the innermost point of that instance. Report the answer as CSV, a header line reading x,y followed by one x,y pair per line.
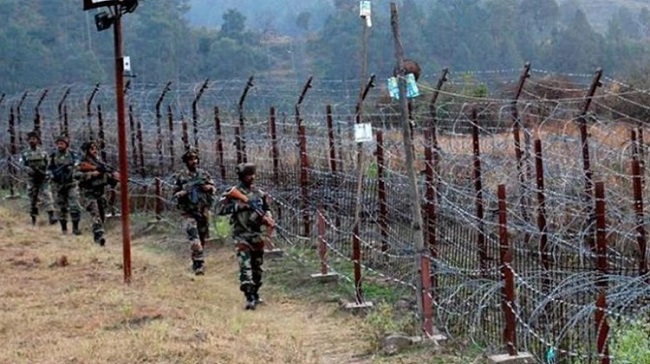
x,y
92,188
195,204
35,162
249,233
61,168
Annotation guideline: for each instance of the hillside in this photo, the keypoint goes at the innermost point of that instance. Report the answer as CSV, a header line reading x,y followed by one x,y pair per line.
x,y
600,11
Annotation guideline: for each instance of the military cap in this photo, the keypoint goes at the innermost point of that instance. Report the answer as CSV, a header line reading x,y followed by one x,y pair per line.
x,y
34,134
87,145
245,169
63,138
189,154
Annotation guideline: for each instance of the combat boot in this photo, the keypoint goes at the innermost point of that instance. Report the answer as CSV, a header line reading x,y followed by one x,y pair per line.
x,y
33,220
51,218
250,302
256,295
98,236
198,268
75,227
64,226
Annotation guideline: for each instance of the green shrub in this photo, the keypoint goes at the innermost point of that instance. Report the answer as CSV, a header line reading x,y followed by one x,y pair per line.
x,y
631,343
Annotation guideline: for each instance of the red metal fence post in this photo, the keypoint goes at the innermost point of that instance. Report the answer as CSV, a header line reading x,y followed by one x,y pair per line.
x,y
602,324
330,137
304,179
170,124
275,155
381,192
508,291
637,187
219,143
478,190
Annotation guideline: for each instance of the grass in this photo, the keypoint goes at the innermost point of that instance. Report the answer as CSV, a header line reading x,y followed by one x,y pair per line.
x,y
64,301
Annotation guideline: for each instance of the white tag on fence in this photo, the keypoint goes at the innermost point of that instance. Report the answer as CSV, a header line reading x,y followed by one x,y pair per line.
x,y
362,132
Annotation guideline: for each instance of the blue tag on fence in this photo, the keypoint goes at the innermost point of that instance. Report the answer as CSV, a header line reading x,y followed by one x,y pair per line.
x,y
411,87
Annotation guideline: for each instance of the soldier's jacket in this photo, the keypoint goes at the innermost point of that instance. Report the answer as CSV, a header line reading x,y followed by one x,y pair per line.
x,y
245,222
35,162
92,185
62,167
196,199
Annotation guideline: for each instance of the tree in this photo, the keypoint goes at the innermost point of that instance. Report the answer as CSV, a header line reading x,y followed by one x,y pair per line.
x,y
234,24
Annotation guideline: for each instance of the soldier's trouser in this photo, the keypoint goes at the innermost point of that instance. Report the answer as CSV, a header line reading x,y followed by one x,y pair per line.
x,y
191,226
42,188
67,200
250,255
93,208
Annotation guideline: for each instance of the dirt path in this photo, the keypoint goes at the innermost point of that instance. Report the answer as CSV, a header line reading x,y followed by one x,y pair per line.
x,y
64,302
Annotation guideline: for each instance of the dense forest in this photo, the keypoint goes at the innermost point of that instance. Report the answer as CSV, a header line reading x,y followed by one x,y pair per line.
x,y
47,43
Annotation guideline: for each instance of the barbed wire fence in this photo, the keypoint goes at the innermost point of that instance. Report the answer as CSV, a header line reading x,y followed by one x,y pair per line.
x,y
532,185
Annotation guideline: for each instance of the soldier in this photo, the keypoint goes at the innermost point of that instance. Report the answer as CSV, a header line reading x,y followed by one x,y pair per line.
x,y
35,162
194,191
94,175
252,225
62,164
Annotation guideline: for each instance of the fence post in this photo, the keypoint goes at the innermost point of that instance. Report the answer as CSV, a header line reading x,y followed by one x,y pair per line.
x,y
330,137
185,137
275,155
195,115
602,325
100,133
586,161
63,129
143,171
158,199
478,190
304,180
170,124
133,131
219,143
89,113
37,113
508,295
242,129
13,150
159,143
637,187
19,118
519,154
324,275
381,192
541,215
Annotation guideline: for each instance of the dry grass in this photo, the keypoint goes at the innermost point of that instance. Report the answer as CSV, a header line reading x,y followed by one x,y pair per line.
x,y
64,302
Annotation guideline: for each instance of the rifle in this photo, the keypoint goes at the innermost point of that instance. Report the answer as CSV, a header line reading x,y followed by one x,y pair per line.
x,y
255,205
62,173
101,167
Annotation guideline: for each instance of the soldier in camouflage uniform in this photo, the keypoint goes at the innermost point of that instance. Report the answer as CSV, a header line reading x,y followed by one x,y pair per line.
x,y
94,175
194,191
251,222
63,161
35,162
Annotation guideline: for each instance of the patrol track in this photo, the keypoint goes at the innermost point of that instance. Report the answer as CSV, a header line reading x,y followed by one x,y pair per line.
x,y
556,291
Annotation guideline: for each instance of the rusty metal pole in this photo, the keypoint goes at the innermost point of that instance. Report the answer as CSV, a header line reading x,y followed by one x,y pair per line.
x,y
242,129
381,191
601,321
185,136
170,120
122,150
132,132
89,113
159,143
19,118
37,112
275,154
219,143
304,160
541,214
478,194
519,154
62,128
586,161
330,136
13,150
508,276
637,187
195,114
143,172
